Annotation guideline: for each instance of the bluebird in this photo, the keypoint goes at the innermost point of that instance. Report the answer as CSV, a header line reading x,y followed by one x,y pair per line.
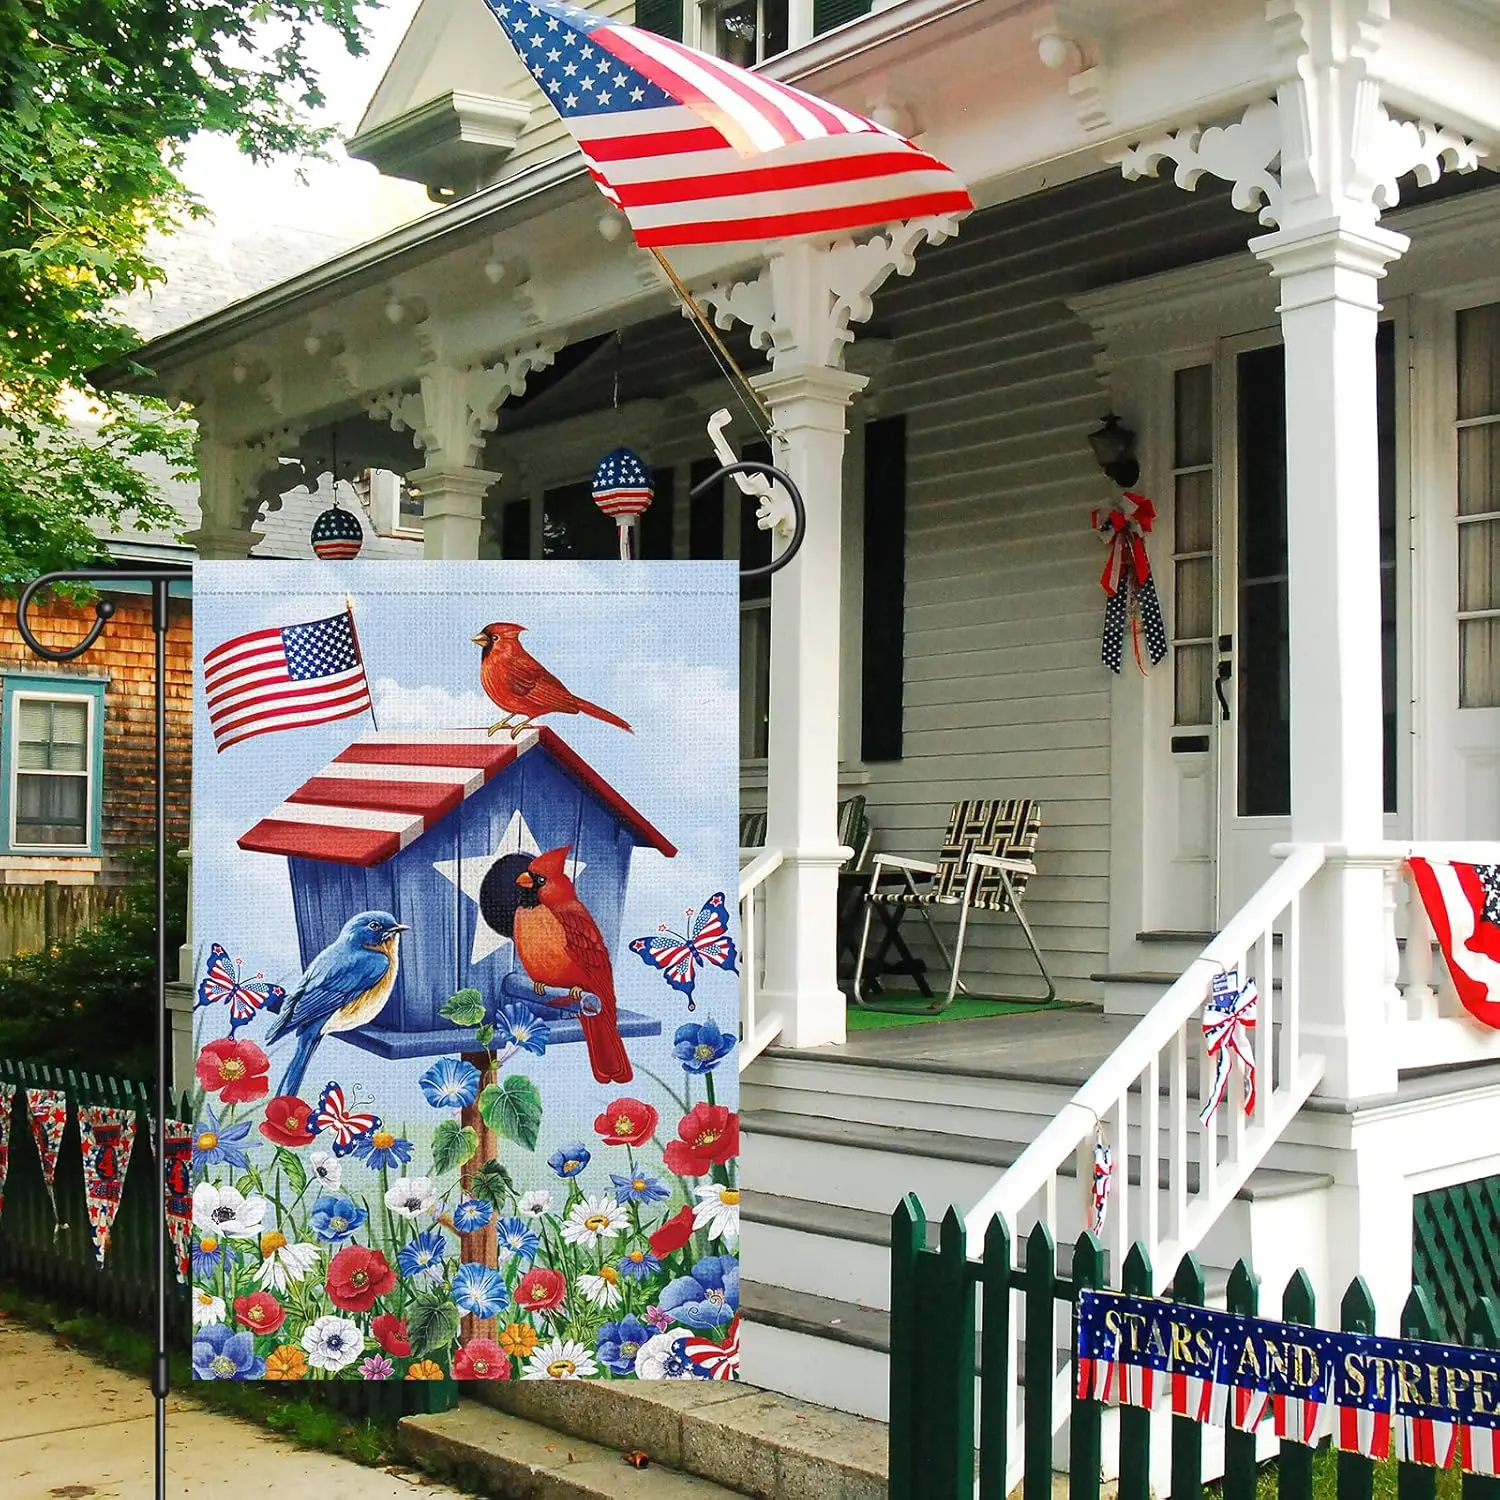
x,y
345,986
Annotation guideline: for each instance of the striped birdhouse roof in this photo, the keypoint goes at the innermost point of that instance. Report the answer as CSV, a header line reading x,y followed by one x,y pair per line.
x,y
391,786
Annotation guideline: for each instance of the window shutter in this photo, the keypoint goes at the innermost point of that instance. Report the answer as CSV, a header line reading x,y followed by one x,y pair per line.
x,y
706,522
830,13
656,524
664,17
882,667
515,529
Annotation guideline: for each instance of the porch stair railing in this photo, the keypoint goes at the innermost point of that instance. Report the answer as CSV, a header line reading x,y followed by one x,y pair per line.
x,y
1173,1178
758,1029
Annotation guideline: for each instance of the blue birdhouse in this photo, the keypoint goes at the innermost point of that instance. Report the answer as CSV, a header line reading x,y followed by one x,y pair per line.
x,y
434,827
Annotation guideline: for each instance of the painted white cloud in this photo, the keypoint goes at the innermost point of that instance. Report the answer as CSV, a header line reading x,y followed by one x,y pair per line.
x,y
429,707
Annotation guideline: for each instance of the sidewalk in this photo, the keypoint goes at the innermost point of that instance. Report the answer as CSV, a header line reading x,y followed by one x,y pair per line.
x,y
71,1429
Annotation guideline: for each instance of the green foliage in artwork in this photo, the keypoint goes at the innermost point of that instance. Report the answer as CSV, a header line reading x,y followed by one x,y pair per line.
x,y
513,1108
431,1323
493,1184
453,1145
290,1165
466,1008
485,1035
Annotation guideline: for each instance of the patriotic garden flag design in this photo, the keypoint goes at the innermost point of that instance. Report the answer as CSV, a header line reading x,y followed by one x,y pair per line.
x,y
179,1204
7,1103
1463,905
106,1136
696,151
49,1118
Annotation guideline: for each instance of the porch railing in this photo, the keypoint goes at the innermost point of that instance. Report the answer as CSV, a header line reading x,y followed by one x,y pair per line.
x,y
757,1030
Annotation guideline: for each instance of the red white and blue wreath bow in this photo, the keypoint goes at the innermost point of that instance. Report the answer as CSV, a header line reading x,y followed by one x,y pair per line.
x,y
1130,590
1228,1020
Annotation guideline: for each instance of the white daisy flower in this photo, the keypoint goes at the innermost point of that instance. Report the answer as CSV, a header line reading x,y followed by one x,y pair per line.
x,y
592,1220
560,1359
206,1308
283,1265
226,1212
333,1343
602,1290
534,1205
411,1197
717,1210
660,1359
324,1168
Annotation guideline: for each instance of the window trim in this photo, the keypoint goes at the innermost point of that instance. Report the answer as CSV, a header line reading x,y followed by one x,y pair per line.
x,y
34,686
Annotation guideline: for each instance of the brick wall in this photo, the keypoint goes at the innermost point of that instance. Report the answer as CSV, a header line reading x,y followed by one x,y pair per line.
x,y
124,655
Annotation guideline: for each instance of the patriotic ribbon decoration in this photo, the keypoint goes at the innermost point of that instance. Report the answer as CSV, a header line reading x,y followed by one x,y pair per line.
x,y
48,1109
106,1136
1463,905
7,1102
1100,1182
1228,1020
1129,588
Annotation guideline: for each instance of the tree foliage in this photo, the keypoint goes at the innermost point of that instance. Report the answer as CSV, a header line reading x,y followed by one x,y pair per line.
x,y
97,100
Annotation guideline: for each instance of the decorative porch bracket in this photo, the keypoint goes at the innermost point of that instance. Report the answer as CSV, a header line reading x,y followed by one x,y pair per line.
x,y
231,487
799,309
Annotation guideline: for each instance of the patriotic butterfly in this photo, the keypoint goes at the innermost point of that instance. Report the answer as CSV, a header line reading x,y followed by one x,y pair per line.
x,y
713,1361
678,957
243,997
331,1114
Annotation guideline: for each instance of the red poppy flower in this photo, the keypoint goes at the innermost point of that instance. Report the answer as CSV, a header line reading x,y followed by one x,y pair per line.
x,y
481,1359
356,1277
390,1334
627,1122
674,1233
286,1121
541,1289
234,1070
260,1312
708,1134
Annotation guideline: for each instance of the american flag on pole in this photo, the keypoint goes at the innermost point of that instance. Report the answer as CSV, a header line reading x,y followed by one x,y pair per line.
x,y
696,151
286,677
1463,905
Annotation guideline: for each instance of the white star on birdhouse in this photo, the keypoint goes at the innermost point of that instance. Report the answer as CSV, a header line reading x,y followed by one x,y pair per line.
x,y
468,875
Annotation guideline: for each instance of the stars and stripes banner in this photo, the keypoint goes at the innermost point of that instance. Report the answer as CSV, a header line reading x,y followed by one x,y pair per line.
x,y
7,1103
1130,590
48,1109
284,677
696,151
1381,1397
1463,905
106,1136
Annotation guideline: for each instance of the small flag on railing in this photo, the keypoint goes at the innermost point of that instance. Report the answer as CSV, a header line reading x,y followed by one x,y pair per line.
x,y
1102,1180
7,1103
49,1117
106,1136
1463,905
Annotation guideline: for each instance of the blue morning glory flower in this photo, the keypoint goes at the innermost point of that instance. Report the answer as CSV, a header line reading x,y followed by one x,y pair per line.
x,y
380,1148
700,1048
208,1255
569,1161
422,1258
516,1239
638,1189
335,1217
480,1291
472,1214
221,1354
515,1026
619,1343
709,1298
217,1145
450,1083
638,1263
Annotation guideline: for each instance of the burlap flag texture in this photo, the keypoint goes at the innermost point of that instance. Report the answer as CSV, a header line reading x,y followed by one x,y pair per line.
x,y
49,1117
106,1135
7,1100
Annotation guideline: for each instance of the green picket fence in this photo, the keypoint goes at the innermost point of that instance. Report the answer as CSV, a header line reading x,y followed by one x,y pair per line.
x,y
58,1263
950,1321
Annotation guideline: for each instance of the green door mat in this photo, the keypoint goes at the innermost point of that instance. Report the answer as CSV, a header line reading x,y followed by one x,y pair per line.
x,y
964,1008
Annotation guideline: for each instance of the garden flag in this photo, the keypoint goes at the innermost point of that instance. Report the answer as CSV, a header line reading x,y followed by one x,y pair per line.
x,y
7,1104
179,1204
468,1122
1463,905
49,1118
696,151
106,1136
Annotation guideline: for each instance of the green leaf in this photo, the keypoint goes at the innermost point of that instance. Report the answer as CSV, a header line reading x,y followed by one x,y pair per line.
x,y
291,1165
493,1184
466,1008
485,1035
431,1324
513,1108
453,1145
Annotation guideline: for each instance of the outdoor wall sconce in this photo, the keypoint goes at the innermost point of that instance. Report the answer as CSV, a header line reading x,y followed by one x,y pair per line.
x,y
1114,451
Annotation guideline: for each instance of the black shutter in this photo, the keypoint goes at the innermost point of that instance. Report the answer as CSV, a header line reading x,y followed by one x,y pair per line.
x,y
656,524
573,526
515,529
830,13
706,521
883,671
664,17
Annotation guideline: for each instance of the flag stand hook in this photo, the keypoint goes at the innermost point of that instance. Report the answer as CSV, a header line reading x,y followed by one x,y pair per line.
x,y
161,580
734,468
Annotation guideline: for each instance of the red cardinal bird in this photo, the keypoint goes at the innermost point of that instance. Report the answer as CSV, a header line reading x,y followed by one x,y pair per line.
x,y
559,947
523,687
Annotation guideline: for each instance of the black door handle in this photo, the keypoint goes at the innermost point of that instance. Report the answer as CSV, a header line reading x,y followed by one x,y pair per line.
x,y
1226,671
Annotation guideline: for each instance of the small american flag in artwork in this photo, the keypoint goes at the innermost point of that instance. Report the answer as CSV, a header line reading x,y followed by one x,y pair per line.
x,y
286,677
696,151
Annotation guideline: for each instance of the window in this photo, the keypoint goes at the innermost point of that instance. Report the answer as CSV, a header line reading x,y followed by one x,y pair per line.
x,y
1479,507
744,32
53,762
1193,549
882,659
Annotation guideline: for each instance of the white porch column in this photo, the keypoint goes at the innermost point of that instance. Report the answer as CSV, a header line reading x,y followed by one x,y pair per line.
x,y
452,507
1329,272
229,476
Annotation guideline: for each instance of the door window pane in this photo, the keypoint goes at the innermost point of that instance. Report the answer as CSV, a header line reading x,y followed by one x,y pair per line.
x,y
1192,546
1478,346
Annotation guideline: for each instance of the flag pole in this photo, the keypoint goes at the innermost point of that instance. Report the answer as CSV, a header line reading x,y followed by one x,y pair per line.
x,y
359,652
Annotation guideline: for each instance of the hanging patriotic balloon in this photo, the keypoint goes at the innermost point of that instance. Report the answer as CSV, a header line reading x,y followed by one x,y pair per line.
x,y
1228,1020
1129,588
623,491
106,1136
7,1102
337,534
49,1117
